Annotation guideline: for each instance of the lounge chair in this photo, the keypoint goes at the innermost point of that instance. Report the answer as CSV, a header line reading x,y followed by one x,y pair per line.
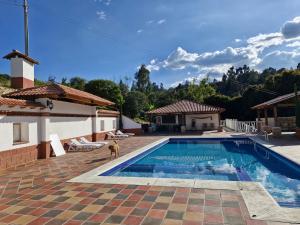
x,y
76,145
121,133
83,140
113,136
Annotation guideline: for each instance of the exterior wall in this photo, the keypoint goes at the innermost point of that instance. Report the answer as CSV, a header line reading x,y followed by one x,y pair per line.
x,y
19,154
22,68
67,120
69,127
68,108
199,122
130,126
6,131
108,126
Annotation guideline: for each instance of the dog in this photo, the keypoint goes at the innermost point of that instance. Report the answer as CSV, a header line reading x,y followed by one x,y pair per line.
x,y
114,149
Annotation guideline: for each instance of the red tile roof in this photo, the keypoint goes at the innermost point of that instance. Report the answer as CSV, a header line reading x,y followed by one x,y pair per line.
x,y
106,112
186,107
274,101
15,53
18,102
58,91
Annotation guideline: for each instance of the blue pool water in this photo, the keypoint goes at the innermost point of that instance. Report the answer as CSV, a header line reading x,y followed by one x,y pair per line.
x,y
218,159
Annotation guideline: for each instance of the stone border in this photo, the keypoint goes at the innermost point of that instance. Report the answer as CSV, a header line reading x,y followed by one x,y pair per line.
x,y
259,202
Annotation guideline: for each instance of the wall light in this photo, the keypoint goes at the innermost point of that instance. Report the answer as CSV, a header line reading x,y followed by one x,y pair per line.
x,y
50,104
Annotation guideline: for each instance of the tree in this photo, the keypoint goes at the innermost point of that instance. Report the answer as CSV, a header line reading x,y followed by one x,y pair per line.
x,y
135,104
78,83
124,88
142,79
106,89
64,81
198,92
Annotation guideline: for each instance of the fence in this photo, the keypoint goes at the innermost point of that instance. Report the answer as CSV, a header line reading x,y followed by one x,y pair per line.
x,y
241,126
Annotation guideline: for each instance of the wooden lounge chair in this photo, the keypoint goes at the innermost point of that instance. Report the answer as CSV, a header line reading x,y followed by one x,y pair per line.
x,y
113,136
76,145
83,140
121,133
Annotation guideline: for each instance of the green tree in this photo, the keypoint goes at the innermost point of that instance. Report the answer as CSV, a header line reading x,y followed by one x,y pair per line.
x,y
142,77
198,92
106,89
77,83
135,104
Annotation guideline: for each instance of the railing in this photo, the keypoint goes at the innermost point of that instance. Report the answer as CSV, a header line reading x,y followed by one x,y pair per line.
x,y
248,127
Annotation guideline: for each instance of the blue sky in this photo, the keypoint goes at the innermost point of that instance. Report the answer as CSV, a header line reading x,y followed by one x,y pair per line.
x,y
177,39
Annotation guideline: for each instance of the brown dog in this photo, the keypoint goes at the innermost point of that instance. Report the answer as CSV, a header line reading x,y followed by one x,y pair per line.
x,y
114,149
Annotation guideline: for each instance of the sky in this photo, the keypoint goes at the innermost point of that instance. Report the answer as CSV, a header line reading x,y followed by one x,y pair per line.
x,y
178,40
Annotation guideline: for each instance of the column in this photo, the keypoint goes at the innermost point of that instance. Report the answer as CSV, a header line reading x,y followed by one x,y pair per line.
x,y
266,117
44,147
275,115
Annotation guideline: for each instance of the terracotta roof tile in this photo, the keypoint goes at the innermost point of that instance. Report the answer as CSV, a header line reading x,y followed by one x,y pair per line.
x,y
18,102
273,101
58,91
107,112
15,53
186,107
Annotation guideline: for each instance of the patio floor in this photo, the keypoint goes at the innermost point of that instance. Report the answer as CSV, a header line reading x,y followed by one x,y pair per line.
x,y
39,194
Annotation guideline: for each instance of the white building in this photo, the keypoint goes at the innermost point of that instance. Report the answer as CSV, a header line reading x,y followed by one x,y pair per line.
x,y
31,114
186,115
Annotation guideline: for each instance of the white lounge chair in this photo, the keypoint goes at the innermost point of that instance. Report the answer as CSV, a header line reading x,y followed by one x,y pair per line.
x,y
76,145
121,133
83,140
113,136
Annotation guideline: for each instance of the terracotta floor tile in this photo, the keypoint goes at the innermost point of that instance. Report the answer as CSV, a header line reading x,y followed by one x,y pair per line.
x,y
133,220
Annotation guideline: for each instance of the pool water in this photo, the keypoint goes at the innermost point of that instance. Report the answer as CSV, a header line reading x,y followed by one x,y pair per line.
x,y
218,159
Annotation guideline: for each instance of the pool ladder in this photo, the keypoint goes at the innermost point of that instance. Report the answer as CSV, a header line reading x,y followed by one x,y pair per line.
x,y
267,153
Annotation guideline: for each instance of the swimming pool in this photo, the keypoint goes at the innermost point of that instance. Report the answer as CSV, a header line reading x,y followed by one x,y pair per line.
x,y
226,159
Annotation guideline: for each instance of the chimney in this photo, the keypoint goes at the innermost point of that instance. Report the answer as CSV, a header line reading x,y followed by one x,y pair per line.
x,y
22,70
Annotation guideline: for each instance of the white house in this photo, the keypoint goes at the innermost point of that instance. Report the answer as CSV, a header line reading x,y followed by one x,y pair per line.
x,y
31,114
186,115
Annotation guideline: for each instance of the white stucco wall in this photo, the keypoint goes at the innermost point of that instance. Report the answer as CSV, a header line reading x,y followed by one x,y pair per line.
x,y
199,122
69,127
6,131
129,123
108,124
40,127
68,107
22,68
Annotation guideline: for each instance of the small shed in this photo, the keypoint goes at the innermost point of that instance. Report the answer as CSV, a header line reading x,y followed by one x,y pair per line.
x,y
186,115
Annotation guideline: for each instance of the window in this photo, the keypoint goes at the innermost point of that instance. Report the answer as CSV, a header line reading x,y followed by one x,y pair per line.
x,y
193,123
169,119
20,133
17,132
102,125
114,124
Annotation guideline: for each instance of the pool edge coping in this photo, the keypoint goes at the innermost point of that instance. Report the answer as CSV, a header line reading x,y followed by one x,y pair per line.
x,y
260,204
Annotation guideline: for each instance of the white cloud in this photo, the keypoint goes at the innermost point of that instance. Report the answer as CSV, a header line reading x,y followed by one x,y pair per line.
x,y
253,54
149,21
105,2
101,15
161,21
294,44
263,41
237,40
278,58
139,31
291,29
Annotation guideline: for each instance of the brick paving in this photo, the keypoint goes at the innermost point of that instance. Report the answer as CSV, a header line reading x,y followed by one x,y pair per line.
x,y
39,194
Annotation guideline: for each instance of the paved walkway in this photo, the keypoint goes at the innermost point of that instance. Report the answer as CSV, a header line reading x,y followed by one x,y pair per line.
x,y
38,194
